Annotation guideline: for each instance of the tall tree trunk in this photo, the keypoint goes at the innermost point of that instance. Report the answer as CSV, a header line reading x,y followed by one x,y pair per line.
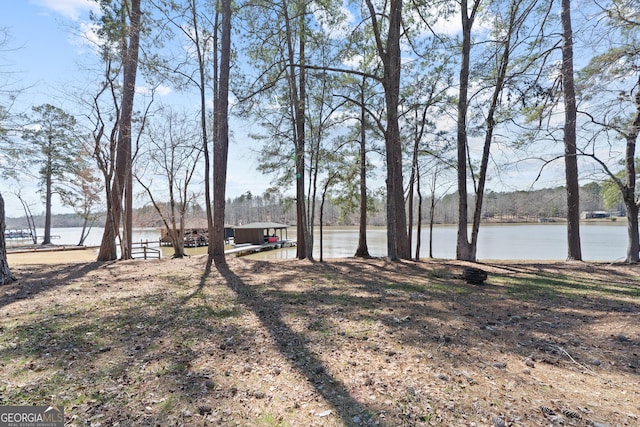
x,y
5,271
633,244
47,204
463,247
297,95
390,55
221,143
412,183
414,180
124,138
490,124
202,74
301,123
570,150
396,211
362,250
122,199
432,211
419,224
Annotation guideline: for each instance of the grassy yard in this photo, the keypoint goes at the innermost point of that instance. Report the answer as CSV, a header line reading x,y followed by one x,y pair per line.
x,y
345,342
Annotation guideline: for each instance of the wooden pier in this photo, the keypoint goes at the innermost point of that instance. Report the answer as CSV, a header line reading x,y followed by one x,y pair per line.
x,y
248,248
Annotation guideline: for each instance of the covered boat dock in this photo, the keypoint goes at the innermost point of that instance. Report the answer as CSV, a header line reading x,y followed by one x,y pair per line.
x,y
259,236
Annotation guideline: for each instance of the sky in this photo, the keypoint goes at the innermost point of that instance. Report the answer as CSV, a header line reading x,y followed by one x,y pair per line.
x,y
46,56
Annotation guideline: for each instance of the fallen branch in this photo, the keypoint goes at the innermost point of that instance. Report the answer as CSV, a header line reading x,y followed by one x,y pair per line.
x,y
588,370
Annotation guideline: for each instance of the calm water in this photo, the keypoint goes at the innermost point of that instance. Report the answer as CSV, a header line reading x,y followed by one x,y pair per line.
x,y
601,242
604,241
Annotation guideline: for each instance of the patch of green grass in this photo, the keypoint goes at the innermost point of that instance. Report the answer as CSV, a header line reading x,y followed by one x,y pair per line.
x,y
552,286
267,419
203,312
450,288
178,367
438,274
168,406
319,325
526,289
426,418
407,287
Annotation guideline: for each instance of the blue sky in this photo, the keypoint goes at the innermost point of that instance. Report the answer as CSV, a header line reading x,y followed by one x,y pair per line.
x,y
44,53
46,57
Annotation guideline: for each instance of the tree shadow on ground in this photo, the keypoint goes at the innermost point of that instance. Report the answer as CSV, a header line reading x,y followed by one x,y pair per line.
x,y
412,335
26,287
292,346
108,361
539,317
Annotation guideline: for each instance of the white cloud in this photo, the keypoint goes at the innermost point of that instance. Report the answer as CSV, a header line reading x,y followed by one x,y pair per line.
x,y
87,38
163,90
71,9
159,90
448,25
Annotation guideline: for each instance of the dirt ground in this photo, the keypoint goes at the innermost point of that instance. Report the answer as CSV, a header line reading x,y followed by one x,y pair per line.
x,y
300,343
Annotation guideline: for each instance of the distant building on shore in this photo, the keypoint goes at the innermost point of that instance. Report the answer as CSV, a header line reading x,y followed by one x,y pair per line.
x,y
595,215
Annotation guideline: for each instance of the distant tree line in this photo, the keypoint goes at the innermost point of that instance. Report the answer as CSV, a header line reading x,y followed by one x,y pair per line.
x,y
516,206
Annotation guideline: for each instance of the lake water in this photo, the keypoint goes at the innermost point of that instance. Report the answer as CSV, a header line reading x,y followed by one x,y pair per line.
x,y
600,241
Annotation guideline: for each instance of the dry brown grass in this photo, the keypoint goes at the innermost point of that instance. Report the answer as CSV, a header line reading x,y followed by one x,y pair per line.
x,y
346,342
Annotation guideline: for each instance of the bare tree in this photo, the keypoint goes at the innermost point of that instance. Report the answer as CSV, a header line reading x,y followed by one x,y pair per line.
x,y
170,156
121,30
82,193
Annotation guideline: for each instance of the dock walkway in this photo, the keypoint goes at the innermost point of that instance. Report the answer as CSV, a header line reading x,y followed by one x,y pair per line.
x,y
248,248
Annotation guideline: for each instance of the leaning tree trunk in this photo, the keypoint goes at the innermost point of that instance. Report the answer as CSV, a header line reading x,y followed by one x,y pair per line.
x,y
5,272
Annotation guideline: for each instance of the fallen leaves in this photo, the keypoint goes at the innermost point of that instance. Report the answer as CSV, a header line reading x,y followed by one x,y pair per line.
x,y
346,342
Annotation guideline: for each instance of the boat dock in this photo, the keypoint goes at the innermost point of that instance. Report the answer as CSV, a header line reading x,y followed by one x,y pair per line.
x,y
248,248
